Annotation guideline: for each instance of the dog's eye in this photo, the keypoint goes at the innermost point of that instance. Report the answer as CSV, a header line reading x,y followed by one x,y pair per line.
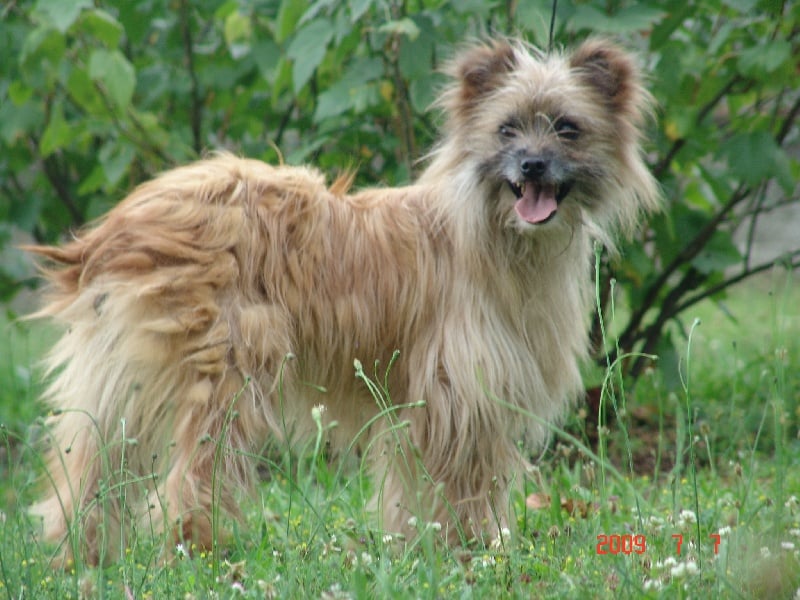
x,y
507,130
567,129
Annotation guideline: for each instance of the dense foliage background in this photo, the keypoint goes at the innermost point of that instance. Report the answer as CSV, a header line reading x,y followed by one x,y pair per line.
x,y
96,96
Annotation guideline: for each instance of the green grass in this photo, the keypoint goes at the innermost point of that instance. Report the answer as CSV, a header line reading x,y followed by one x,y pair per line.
x,y
718,454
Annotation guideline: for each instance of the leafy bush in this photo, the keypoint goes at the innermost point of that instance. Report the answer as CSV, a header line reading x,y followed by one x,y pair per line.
x,y
101,95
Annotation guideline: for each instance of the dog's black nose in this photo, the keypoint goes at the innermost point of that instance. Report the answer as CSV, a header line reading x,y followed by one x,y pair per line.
x,y
533,166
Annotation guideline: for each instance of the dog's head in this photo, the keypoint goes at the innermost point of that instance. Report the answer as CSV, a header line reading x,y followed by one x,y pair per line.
x,y
553,136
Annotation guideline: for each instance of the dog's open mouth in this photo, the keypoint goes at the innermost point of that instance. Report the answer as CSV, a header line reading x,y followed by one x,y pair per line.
x,y
537,202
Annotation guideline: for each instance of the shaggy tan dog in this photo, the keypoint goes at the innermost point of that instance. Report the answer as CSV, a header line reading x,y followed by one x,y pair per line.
x,y
207,311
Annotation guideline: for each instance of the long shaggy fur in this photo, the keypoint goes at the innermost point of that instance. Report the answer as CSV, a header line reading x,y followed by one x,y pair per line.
x,y
204,311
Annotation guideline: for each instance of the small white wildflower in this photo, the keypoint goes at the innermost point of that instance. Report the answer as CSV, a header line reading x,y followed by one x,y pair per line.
x,y
678,570
502,537
656,523
723,531
487,560
366,559
670,561
794,532
317,412
388,538
792,503
412,522
181,551
652,584
436,526
686,517
691,567
765,552
787,546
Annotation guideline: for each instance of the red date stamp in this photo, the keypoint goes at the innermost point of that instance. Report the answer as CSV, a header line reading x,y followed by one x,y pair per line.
x,y
637,544
621,544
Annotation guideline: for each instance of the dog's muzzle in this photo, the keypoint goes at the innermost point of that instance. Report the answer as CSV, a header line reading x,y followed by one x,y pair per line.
x,y
538,196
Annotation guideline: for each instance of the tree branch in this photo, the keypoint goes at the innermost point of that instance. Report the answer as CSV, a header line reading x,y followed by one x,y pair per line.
x,y
689,252
196,109
54,175
791,263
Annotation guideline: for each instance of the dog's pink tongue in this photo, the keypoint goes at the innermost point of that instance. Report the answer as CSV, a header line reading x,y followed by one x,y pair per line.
x,y
537,203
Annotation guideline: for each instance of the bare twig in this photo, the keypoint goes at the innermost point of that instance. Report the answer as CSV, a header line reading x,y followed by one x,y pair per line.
x,y
791,261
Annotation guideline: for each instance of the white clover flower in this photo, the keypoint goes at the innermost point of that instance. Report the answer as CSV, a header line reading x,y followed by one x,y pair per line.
x,y
412,522
687,517
670,561
652,584
436,526
678,570
691,567
503,535
723,531
388,538
787,546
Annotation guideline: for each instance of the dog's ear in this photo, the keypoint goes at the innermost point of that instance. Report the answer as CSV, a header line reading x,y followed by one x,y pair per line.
x,y
481,69
611,71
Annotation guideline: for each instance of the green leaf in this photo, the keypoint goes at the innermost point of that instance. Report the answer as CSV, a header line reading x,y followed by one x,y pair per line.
x,y
61,14
358,8
18,121
719,253
19,93
423,90
266,55
42,44
57,134
350,91
115,158
289,14
416,58
307,51
754,157
94,181
102,26
115,73
633,18
238,33
764,59
81,89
